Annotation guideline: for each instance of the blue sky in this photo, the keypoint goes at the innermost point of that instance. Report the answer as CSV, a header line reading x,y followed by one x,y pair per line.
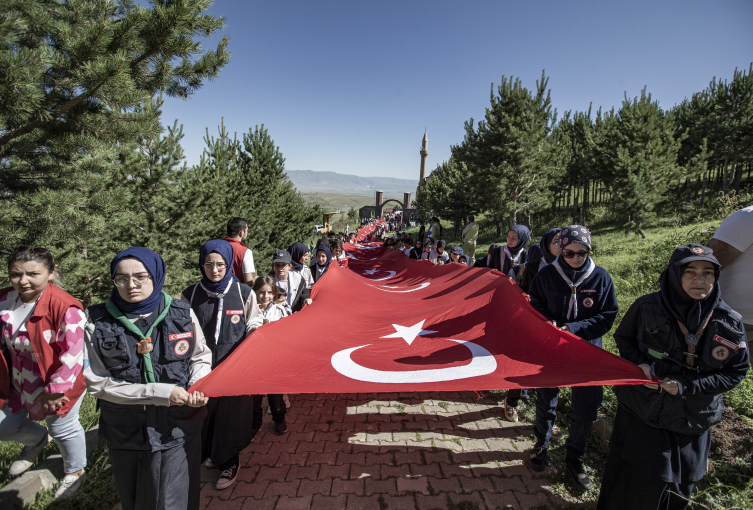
x,y
350,86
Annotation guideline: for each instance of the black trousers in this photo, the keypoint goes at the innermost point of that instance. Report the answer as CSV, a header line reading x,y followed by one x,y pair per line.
x,y
276,403
165,480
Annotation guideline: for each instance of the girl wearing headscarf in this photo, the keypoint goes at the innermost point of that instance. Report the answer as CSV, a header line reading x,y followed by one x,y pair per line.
x,y
41,379
321,262
416,251
577,296
301,255
546,251
695,345
227,313
509,257
439,253
550,248
144,350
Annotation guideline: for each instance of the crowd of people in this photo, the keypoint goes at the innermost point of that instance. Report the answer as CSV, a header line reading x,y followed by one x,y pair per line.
x,y
140,352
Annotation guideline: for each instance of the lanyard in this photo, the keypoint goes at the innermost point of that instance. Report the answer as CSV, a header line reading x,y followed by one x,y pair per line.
x,y
573,307
144,347
692,340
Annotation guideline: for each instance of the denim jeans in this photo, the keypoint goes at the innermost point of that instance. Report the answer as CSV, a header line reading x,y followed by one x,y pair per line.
x,y
586,402
67,433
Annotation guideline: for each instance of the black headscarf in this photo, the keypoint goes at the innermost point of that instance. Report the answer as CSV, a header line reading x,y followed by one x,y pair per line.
x,y
524,235
546,240
691,312
298,250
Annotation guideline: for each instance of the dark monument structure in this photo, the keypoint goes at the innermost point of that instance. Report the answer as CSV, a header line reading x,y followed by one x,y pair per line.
x,y
409,213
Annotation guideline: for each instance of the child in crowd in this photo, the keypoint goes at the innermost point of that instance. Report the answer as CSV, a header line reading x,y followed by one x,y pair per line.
x,y
577,296
301,256
510,257
267,291
456,254
439,253
486,261
321,263
416,252
296,293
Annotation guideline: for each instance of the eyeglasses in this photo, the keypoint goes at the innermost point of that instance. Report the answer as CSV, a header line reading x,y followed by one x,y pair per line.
x,y
138,280
570,254
219,267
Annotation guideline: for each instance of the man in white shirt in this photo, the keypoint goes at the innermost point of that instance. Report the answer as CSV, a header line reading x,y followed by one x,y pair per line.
x,y
733,248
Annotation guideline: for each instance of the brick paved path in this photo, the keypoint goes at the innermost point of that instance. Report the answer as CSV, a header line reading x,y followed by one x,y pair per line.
x,y
387,451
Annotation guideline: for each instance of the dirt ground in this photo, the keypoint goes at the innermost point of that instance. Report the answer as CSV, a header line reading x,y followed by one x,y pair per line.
x,y
731,439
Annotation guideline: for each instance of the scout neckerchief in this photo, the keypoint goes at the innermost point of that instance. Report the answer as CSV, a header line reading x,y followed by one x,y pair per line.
x,y
573,308
513,260
692,340
145,345
220,306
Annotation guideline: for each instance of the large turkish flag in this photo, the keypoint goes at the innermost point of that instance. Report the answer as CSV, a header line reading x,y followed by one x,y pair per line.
x,y
389,323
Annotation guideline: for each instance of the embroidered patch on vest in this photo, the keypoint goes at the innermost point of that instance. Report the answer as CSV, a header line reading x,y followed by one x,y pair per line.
x,y
720,353
588,302
181,347
588,291
178,336
235,319
721,340
234,312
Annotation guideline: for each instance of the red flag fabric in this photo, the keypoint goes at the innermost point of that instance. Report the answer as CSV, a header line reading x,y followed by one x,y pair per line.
x,y
389,323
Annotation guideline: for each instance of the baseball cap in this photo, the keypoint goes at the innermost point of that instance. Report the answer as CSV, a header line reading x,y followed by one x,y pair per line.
x,y
282,256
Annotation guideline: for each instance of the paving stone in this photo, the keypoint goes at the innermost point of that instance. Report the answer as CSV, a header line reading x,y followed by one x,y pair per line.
x,y
409,458
473,498
357,472
394,471
340,486
438,502
327,471
298,503
351,458
412,485
425,470
398,502
319,502
273,474
535,500
437,457
322,487
329,458
449,470
301,472
249,490
259,504
218,504
445,484
512,483
320,437
290,459
503,501
304,446
373,486
259,459
378,458
282,489
287,447
363,502
476,484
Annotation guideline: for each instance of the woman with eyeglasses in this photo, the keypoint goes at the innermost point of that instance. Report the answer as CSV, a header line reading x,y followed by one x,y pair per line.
x,y
694,346
145,350
227,312
578,297
41,365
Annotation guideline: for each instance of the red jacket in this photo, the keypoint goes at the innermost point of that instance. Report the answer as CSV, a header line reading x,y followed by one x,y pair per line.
x,y
48,316
239,251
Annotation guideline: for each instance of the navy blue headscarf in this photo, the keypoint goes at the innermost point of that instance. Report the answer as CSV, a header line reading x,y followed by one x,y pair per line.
x,y
298,250
524,235
315,267
546,240
225,250
156,268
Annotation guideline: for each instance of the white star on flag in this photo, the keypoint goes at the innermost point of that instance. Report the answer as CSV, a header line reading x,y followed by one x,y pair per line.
x,y
409,334
371,271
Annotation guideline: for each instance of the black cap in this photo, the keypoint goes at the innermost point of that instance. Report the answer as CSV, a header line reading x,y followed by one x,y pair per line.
x,y
687,254
282,256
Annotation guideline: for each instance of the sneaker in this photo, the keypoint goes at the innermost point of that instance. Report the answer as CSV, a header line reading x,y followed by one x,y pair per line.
x,y
227,477
511,414
70,485
27,457
538,457
281,428
575,469
557,434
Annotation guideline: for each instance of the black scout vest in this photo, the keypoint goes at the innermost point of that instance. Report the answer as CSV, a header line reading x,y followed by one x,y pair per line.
x,y
233,321
658,334
138,426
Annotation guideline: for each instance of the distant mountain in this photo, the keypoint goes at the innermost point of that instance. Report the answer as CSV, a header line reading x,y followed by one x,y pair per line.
x,y
307,181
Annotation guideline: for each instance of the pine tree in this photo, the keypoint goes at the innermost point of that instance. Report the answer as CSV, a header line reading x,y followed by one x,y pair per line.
x,y
78,81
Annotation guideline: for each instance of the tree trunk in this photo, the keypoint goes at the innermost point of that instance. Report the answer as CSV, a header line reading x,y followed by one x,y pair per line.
x,y
576,201
725,182
738,175
697,187
703,188
569,190
499,227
